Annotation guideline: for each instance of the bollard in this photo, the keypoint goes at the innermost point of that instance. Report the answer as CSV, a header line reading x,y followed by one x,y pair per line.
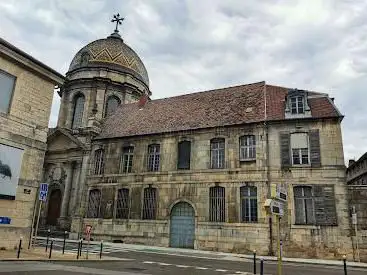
x,y
254,261
51,245
261,266
19,247
345,264
48,236
63,246
100,252
81,247
77,255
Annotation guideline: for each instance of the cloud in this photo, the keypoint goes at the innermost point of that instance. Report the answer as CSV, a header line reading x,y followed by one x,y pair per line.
x,y
195,45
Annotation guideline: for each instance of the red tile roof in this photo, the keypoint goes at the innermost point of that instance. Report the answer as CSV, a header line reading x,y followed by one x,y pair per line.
x,y
222,107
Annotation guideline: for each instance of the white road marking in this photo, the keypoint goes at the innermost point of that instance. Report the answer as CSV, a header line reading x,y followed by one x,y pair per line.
x,y
183,266
201,268
148,262
221,270
164,264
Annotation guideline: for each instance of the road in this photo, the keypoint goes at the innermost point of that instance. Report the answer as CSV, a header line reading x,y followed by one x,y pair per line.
x,y
143,262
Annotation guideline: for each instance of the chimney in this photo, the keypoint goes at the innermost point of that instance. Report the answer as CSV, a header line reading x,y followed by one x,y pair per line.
x,y
142,101
351,162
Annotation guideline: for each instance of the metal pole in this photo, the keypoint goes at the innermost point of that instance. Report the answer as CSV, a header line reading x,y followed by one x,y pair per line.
x,y
345,264
38,220
48,236
261,266
357,245
51,245
63,246
19,247
100,252
279,248
33,220
254,261
77,255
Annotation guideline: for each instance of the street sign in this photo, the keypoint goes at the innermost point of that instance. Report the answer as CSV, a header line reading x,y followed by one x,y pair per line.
x,y
279,191
43,192
277,208
5,220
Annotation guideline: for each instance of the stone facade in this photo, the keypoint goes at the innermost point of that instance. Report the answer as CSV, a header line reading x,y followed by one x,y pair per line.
x,y
25,126
357,195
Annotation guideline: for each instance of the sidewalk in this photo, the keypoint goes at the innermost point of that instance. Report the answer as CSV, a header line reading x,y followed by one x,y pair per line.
x,y
219,255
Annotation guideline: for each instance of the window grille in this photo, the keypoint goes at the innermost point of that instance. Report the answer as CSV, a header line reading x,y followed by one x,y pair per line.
x,y
150,204
123,204
99,162
94,203
217,204
217,147
153,157
304,205
297,105
78,111
126,162
111,105
248,204
247,147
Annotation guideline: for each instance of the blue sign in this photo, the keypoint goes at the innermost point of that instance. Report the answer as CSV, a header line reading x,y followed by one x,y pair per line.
x,y
5,220
43,192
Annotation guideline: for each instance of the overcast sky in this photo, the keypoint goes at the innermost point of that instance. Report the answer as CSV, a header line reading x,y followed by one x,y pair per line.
x,y
192,45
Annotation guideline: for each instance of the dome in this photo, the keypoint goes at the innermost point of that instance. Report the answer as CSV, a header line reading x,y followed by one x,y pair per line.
x,y
113,53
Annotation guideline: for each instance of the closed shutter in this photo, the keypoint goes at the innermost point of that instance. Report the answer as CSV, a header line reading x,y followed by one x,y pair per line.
x,y
285,149
325,208
315,148
184,151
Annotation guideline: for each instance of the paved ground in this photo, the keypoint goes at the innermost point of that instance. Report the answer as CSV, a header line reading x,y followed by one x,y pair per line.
x,y
145,262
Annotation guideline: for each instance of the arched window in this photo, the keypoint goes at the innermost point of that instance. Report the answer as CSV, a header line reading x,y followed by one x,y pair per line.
x,y
94,203
78,111
112,103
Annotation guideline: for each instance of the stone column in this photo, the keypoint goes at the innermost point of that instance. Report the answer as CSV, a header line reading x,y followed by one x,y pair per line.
x,y
66,195
75,195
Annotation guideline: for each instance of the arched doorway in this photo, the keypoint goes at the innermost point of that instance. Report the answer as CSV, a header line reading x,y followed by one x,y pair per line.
x,y
54,205
182,229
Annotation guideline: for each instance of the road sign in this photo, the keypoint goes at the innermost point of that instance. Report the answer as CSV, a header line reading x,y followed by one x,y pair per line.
x,y
43,192
5,220
277,207
279,191
88,231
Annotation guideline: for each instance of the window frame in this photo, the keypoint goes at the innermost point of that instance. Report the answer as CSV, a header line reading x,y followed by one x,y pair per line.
x,y
303,199
154,157
73,121
215,153
111,97
124,211
130,158
246,198
98,162
300,151
247,148
180,165
98,213
149,213
299,104
217,204
12,91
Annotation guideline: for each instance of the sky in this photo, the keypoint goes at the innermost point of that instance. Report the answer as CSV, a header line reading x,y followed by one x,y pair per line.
x,y
192,45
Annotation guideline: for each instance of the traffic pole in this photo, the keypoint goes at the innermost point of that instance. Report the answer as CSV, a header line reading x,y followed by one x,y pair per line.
x,y
64,243
254,261
19,247
279,248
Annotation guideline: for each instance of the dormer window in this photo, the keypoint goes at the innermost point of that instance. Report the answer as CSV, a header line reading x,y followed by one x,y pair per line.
x,y
297,105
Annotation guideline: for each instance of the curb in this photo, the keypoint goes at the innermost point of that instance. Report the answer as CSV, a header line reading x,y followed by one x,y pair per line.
x,y
61,260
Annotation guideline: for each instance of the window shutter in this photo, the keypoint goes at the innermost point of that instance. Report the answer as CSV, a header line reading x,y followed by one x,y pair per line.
x,y
285,150
299,211
184,151
325,209
315,148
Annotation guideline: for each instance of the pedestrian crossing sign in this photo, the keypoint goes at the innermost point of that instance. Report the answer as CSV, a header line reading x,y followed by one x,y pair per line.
x,y
43,192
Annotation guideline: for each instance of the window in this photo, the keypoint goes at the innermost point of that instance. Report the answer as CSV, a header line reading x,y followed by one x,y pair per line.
x,y
123,205
99,162
184,151
297,105
217,153
78,111
300,149
248,204
111,105
7,83
153,157
94,203
304,205
248,147
150,204
217,204
126,162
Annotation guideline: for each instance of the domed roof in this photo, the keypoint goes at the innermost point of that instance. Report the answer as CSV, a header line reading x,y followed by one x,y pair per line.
x,y
113,53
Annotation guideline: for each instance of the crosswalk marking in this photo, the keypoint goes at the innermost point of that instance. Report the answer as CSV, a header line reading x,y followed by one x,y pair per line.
x,y
183,266
148,262
164,264
201,268
221,270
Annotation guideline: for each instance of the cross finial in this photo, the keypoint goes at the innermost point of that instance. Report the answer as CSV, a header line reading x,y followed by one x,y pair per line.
x,y
118,20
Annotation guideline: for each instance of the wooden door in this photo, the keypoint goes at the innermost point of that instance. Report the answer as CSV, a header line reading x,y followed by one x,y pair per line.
x,y
54,206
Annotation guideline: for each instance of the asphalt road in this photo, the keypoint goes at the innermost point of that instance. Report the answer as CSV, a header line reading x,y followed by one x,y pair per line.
x,y
144,262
